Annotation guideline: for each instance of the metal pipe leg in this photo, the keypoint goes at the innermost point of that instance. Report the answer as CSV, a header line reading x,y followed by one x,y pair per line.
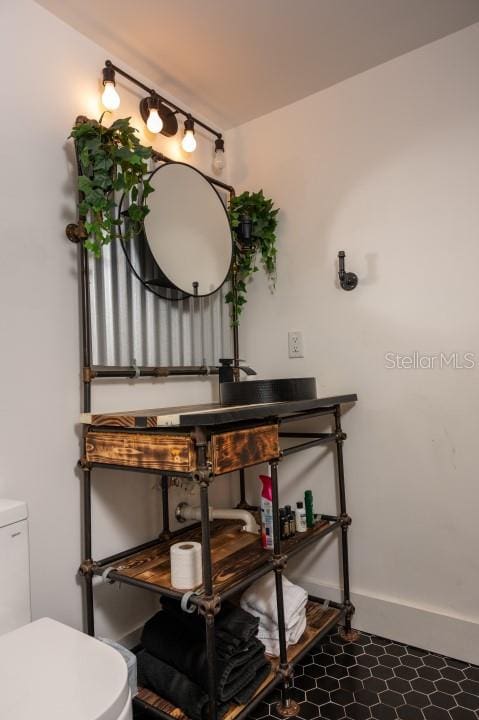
x,y
243,503
165,507
287,707
209,614
347,633
87,559
211,607
205,540
90,618
211,658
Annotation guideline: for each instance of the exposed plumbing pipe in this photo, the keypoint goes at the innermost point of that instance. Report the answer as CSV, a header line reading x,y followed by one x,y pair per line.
x,y
184,512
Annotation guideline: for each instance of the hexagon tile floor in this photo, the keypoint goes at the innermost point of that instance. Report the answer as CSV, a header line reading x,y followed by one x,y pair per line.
x,y
379,679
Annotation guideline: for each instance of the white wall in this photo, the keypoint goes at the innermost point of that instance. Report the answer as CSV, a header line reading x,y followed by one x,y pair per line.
x,y
385,166
52,74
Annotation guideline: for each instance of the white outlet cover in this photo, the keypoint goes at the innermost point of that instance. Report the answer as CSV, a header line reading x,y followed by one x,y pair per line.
x,y
295,344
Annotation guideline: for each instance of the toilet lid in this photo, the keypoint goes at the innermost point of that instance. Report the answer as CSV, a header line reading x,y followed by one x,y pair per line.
x,y
49,671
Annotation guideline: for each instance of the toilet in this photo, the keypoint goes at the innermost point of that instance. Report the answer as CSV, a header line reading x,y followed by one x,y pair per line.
x,y
15,585
48,670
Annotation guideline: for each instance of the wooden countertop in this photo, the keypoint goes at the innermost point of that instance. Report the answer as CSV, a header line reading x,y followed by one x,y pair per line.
x,y
209,413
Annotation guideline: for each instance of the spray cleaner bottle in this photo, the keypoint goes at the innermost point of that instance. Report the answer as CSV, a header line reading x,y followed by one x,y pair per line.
x,y
267,512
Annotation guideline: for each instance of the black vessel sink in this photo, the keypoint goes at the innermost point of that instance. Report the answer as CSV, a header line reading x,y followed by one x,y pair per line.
x,y
252,392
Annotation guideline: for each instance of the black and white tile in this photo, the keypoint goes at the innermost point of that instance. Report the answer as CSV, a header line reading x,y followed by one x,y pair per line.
x,y
377,679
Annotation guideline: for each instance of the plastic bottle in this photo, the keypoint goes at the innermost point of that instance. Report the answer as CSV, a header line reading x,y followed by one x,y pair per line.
x,y
308,502
292,520
300,514
283,524
266,512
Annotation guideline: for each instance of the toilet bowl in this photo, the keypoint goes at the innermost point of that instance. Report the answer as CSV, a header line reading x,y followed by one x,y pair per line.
x,y
49,671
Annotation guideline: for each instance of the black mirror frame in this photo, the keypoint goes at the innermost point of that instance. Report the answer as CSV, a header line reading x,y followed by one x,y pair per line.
x,y
161,285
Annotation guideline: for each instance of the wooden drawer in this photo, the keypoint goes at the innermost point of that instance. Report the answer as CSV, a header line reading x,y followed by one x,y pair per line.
x,y
241,448
141,450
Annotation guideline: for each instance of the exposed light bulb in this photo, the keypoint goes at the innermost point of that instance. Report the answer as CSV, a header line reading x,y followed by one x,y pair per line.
x,y
189,141
110,97
154,122
219,160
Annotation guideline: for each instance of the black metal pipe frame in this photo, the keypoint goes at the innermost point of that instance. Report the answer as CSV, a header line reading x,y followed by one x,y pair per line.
x,y
162,99
348,633
115,576
100,372
165,506
323,440
104,562
286,706
306,435
305,415
86,471
209,611
243,503
87,576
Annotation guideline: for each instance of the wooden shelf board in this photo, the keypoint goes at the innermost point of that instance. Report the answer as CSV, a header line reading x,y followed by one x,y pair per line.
x,y
235,555
319,619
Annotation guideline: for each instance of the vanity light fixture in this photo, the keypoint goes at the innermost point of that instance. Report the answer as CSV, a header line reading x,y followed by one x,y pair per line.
x,y
189,141
160,115
110,97
219,158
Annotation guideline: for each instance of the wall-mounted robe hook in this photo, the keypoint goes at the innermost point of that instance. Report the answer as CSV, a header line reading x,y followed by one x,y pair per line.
x,y
347,280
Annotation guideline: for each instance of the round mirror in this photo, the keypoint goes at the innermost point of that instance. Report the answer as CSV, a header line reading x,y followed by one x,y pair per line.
x,y
187,232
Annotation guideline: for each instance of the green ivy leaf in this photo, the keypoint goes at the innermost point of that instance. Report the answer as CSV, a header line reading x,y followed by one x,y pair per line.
x,y
84,184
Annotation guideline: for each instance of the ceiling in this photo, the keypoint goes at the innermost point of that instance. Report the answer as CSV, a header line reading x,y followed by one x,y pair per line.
x,y
234,60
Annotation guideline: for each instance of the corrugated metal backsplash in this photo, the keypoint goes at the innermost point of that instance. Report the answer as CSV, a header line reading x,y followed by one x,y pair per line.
x,y
130,323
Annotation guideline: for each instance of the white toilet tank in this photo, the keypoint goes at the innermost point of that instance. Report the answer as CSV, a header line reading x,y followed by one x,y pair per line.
x,y
14,557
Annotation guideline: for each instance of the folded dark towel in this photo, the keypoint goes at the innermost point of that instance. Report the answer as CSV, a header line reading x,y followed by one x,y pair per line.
x,y
174,686
239,672
182,646
185,694
258,672
232,624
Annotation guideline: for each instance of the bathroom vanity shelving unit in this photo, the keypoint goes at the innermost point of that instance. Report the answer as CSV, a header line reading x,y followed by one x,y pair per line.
x,y
204,443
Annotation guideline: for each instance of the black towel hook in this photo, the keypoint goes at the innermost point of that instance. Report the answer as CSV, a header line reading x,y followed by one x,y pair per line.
x,y
347,280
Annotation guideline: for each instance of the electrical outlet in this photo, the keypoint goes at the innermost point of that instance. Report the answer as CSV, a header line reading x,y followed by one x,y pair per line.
x,y
295,344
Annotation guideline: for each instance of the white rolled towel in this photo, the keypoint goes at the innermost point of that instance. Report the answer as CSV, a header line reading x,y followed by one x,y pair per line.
x,y
271,640
260,600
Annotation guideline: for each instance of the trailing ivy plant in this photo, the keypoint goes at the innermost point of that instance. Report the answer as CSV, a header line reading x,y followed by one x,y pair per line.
x,y
260,214
111,160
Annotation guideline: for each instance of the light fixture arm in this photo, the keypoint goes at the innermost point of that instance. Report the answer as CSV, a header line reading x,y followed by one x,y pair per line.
x,y
151,91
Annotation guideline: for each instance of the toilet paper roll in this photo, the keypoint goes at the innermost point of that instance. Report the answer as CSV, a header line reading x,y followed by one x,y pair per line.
x,y
186,571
